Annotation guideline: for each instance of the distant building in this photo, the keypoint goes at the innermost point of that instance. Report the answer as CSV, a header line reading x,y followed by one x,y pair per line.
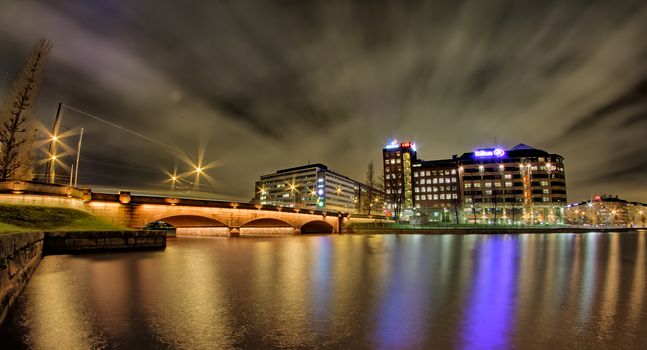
x,y
522,185
315,187
607,211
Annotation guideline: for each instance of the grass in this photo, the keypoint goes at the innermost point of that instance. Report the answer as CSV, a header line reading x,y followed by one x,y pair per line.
x,y
21,218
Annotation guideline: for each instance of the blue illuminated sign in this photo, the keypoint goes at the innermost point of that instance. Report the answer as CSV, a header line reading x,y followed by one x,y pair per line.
x,y
489,152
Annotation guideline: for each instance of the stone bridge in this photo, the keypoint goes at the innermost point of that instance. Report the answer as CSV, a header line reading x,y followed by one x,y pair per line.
x,y
188,216
211,218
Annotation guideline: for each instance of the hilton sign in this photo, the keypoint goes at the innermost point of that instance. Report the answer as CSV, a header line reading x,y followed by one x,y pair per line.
x,y
489,152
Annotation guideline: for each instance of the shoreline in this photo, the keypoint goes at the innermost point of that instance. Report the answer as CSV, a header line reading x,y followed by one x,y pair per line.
x,y
492,231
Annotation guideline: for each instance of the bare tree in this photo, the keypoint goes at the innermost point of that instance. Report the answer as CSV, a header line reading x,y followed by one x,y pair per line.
x,y
17,117
370,182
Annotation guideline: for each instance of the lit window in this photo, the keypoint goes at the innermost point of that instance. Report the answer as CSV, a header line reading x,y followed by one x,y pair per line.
x,y
423,197
447,180
488,191
454,196
422,189
422,181
429,189
508,184
546,199
417,197
468,185
435,180
428,173
415,174
453,172
488,184
507,176
416,189
477,184
545,191
453,180
435,196
442,196
497,184
441,180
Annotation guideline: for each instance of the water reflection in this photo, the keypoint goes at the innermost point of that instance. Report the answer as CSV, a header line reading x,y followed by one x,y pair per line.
x,y
344,291
488,317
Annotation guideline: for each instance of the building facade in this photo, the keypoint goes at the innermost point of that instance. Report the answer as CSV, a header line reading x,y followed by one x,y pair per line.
x,y
315,187
607,211
436,191
522,185
397,160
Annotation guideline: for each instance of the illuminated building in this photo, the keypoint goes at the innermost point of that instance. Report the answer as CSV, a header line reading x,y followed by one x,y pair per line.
x,y
315,187
398,159
436,190
522,185
607,211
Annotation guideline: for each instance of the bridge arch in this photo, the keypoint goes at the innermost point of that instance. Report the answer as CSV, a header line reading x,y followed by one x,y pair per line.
x,y
195,225
178,221
266,226
317,226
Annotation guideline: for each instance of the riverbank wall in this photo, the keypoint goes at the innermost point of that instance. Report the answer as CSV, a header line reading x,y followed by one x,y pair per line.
x,y
20,253
486,231
19,256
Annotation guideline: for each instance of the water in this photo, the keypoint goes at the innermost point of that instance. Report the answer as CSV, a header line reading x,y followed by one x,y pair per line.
x,y
344,291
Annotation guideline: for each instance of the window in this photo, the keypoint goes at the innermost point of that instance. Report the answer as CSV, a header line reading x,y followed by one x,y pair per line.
x,y
468,185
446,172
497,184
447,180
422,189
428,173
477,184
416,190
453,180
488,184
453,171
488,191
415,174
442,196
546,199
435,189
545,191
436,196
508,184
468,200
392,161
441,180
423,197
454,196
422,181
398,161
544,183
417,196
435,180
507,176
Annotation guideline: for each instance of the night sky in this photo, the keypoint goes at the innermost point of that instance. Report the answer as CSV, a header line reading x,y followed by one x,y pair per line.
x,y
258,86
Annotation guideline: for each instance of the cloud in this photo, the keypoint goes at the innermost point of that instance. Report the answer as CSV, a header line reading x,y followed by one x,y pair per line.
x,y
271,85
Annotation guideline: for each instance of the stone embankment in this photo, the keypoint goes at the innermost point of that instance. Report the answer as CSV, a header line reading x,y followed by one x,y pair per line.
x,y
20,253
19,256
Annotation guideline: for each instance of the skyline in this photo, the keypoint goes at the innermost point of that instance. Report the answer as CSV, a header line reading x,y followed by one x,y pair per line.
x,y
308,83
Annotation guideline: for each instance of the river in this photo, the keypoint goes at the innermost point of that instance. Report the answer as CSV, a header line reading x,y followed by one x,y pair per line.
x,y
528,291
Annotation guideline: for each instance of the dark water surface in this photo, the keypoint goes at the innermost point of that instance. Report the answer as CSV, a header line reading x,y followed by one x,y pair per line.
x,y
556,291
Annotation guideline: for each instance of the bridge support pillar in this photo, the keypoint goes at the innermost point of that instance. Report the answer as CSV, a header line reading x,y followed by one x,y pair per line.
x,y
297,230
234,232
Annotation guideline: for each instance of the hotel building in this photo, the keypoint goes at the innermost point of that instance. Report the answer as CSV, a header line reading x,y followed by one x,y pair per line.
x,y
315,187
522,185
